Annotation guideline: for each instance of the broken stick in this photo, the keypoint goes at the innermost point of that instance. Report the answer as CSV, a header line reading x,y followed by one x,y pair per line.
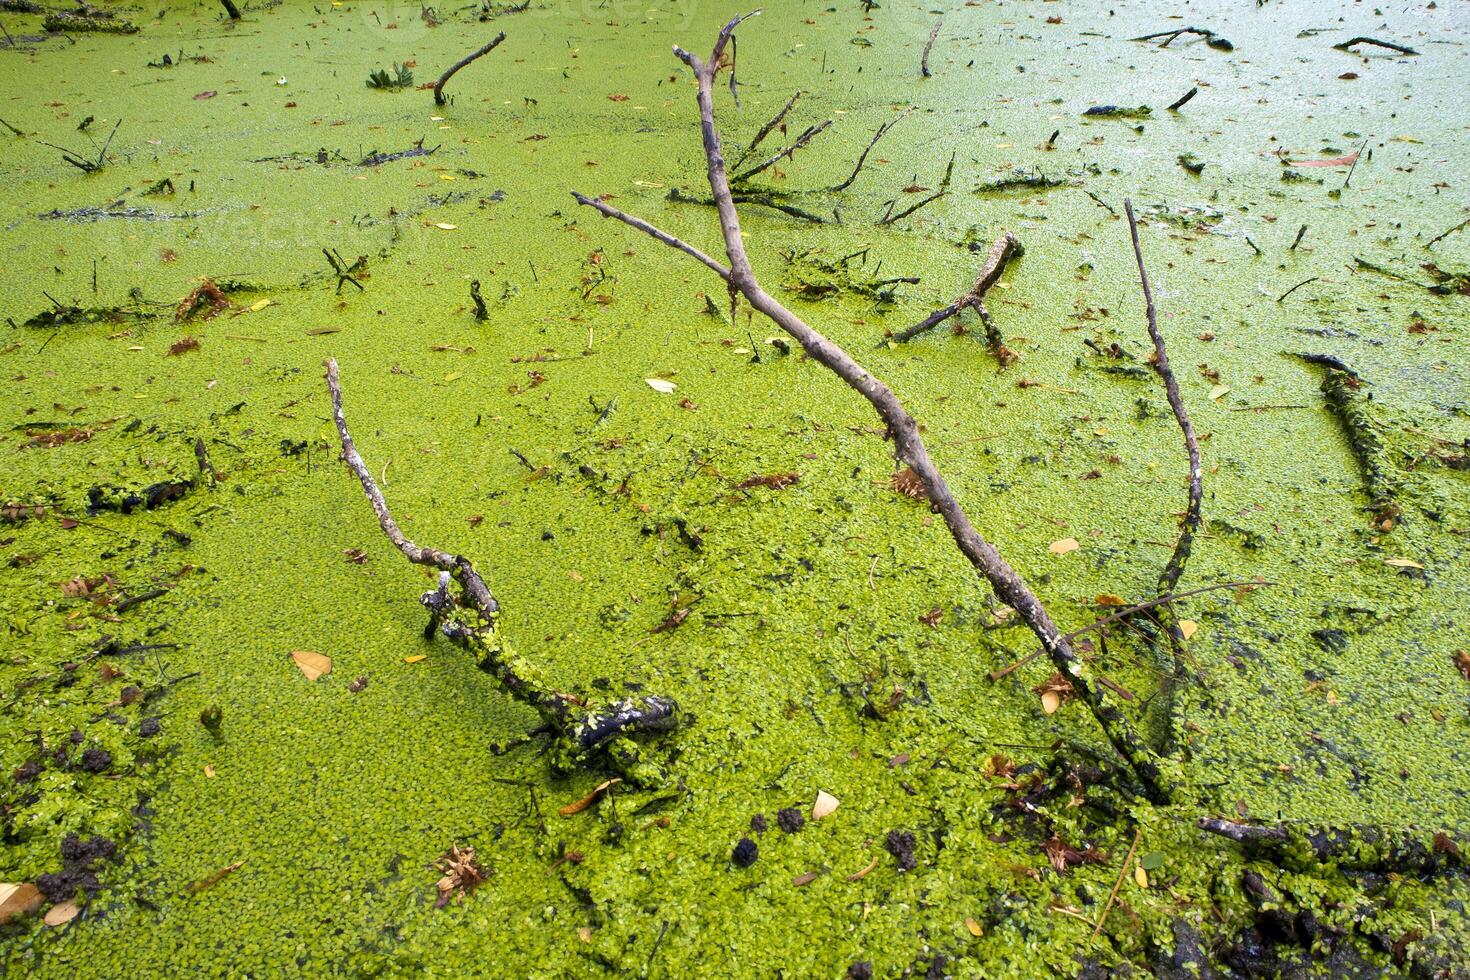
x,y
479,53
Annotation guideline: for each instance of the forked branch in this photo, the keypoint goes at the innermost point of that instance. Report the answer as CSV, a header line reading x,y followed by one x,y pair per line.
x,y
581,727
908,444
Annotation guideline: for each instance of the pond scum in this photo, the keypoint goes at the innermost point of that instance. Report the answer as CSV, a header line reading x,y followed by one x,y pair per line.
x,y
230,744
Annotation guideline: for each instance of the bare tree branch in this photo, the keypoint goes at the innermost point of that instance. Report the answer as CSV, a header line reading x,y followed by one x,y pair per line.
x,y
449,73
908,446
882,130
1006,247
806,137
581,727
1169,578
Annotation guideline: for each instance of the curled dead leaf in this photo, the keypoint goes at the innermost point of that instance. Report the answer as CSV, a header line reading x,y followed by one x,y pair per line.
x,y
824,805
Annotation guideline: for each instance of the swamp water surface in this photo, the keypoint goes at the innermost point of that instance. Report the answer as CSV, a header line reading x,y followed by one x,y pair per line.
x,y
822,633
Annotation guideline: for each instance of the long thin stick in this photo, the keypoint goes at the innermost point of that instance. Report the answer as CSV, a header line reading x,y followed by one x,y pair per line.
x,y
1103,916
908,446
1169,578
765,130
439,85
811,133
417,554
1373,40
924,61
874,142
996,675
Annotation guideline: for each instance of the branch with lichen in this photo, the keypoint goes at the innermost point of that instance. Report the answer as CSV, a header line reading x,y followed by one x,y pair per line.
x,y
908,444
582,728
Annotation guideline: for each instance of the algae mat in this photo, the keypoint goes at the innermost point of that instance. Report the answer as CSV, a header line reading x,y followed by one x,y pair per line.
x,y
821,631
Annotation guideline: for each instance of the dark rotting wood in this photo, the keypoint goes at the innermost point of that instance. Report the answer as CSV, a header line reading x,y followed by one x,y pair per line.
x,y
1211,38
231,9
1354,847
1345,45
449,73
1344,392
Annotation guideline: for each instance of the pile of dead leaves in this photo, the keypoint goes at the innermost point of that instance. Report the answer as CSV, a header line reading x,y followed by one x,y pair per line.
x,y
462,874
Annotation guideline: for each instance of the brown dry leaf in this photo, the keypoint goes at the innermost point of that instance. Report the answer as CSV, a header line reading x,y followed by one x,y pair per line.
x,y
1462,661
1063,546
825,804
18,899
313,665
908,483
215,878
1055,691
1346,160
182,346
462,873
804,879
60,915
572,809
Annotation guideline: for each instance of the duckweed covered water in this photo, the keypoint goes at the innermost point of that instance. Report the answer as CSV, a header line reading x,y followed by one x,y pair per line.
x,y
811,657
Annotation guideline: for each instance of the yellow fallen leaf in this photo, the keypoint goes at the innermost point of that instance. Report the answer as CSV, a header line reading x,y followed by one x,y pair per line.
x,y
824,805
1140,876
453,376
974,928
572,809
445,225
1402,563
60,915
1050,702
313,665
1187,628
1108,599
18,899
259,305
584,933
209,772
446,176
1218,392
574,575
416,658
1064,545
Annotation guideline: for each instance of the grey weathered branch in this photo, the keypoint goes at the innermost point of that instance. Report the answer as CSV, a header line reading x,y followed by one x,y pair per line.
x,y
928,46
581,727
1174,568
449,73
908,444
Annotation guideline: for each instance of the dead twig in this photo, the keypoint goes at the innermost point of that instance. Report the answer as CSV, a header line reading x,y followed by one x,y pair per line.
x,y
883,129
1122,873
1002,672
908,444
806,137
1345,45
928,45
889,217
1174,569
449,73
1211,38
1005,248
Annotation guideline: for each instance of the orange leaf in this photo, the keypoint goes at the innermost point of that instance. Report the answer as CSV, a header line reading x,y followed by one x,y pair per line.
x,y
1342,161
